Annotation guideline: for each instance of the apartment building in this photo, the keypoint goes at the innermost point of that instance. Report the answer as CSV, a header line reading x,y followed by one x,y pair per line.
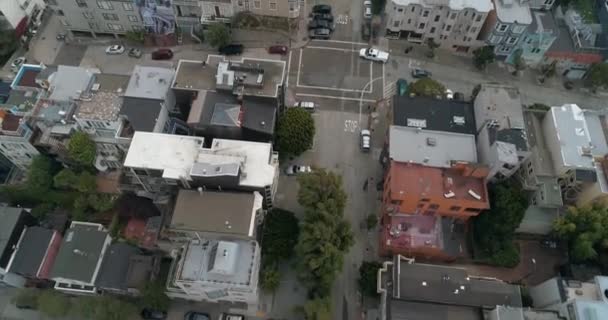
x,y
540,36
18,15
453,24
224,10
115,17
16,140
506,26
502,143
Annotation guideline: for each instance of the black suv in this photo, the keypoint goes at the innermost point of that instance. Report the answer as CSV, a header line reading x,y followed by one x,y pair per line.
x,y
323,16
318,23
321,8
231,49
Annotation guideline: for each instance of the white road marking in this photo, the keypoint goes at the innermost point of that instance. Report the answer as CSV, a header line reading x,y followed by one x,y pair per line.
x,y
333,97
383,78
334,88
350,125
342,19
330,48
288,69
412,63
299,68
340,41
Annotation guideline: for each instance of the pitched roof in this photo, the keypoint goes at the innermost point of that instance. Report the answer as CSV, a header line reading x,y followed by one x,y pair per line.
x,y
115,265
141,113
434,114
80,253
31,251
9,217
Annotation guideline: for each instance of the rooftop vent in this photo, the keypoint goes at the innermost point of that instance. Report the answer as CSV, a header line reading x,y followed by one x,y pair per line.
x,y
450,194
474,194
431,141
459,120
95,87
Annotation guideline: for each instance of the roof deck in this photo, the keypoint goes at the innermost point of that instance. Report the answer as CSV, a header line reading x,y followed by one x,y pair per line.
x,y
26,78
104,100
247,76
149,82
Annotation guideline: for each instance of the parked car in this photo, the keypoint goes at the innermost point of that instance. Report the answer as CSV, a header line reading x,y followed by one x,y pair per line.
x,y
420,73
227,316
17,63
373,54
162,54
320,23
278,49
115,49
151,314
323,16
134,53
321,8
319,34
366,139
307,105
401,87
231,49
367,13
195,315
458,96
449,94
60,36
294,169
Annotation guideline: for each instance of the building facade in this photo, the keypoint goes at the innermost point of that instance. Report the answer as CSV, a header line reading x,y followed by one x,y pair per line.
x,y
506,25
454,25
225,10
538,39
18,15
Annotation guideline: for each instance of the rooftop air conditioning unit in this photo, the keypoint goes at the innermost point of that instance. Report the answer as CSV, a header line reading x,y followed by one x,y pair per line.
x,y
95,87
431,141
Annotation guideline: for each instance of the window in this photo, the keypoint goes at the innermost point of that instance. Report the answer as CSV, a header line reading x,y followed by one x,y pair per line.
x,y
110,16
88,15
81,4
535,50
93,25
60,13
455,208
106,5
132,18
548,2
257,4
448,28
400,10
511,40
478,18
396,24
421,26
453,16
519,29
115,27
432,30
505,49
473,16
413,8
495,39
409,21
474,29
240,3
434,206
436,18
137,28
468,28
502,27
425,13
465,13
272,5
127,6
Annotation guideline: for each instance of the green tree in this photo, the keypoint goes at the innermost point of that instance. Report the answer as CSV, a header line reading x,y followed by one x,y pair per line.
x,y
100,202
368,275
585,229
270,277
597,77
27,297
296,131
135,36
103,308
65,179
432,45
427,87
81,149
378,6
53,304
371,221
483,56
539,106
40,211
86,182
315,309
154,297
519,63
218,35
40,174
321,186
279,235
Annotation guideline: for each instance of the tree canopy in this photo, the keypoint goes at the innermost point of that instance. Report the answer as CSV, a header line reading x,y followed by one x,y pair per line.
x,y
483,56
296,131
81,149
218,35
54,304
597,77
40,173
279,235
427,87
585,229
154,297
368,274
316,309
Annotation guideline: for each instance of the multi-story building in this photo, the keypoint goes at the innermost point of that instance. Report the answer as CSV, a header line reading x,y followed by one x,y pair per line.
x,y
158,163
18,15
16,140
453,24
35,253
14,222
501,136
506,25
544,5
541,34
225,10
114,17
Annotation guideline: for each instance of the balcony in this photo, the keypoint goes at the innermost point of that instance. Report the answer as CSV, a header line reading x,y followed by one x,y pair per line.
x,y
212,19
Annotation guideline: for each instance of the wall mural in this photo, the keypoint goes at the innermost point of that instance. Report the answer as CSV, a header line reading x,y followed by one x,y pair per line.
x,y
157,15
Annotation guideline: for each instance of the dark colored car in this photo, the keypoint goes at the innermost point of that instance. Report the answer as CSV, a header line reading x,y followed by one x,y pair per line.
x,y
231,49
278,49
195,315
401,87
162,54
151,314
458,96
420,73
319,34
323,16
320,23
134,53
321,8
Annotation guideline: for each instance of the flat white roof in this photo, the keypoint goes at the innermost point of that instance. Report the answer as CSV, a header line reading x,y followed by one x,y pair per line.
x,y
479,5
512,11
430,148
149,82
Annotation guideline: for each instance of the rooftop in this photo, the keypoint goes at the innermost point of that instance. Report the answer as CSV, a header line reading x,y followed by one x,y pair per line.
x,y
21,101
428,182
177,156
499,104
10,217
407,310
249,76
104,100
69,82
31,251
217,212
434,114
115,266
219,262
53,111
81,252
430,148
541,157
26,77
451,285
149,82
543,22
141,113
9,122
479,5
513,11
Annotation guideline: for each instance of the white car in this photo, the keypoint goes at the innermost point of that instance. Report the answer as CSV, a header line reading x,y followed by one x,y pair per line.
x,y
115,49
296,169
17,63
449,94
366,140
367,13
306,105
374,55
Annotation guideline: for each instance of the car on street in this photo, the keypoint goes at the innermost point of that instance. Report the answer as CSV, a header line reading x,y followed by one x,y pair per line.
x,y
319,34
231,49
367,13
420,73
17,63
320,23
295,169
134,53
195,315
306,105
323,16
366,140
151,314
115,49
60,36
373,54
162,54
458,96
278,49
401,86
321,8
449,94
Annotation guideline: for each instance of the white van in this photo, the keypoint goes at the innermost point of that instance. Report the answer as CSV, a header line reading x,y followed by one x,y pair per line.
x,y
307,105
